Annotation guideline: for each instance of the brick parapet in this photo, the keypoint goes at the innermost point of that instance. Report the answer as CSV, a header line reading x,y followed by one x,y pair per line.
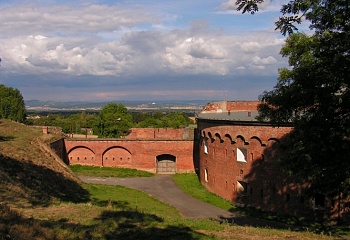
x,y
230,106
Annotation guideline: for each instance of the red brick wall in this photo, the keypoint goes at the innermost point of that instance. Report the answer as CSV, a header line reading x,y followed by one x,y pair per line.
x,y
137,154
156,133
267,187
225,106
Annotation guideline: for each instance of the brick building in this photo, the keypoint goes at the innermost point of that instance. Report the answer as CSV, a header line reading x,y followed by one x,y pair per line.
x,y
237,161
149,149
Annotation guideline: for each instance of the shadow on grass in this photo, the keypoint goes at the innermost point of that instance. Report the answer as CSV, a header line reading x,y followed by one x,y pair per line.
x,y
6,138
256,218
111,224
37,184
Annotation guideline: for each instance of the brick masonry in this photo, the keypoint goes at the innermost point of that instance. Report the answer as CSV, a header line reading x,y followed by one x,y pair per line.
x,y
143,149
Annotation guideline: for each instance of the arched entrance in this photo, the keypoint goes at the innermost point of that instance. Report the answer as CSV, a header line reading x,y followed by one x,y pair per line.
x,y
166,164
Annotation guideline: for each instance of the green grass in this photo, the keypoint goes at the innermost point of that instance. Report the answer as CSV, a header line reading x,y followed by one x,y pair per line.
x,y
108,171
190,184
115,212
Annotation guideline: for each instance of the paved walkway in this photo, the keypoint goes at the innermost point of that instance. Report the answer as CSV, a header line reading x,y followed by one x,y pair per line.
x,y
163,188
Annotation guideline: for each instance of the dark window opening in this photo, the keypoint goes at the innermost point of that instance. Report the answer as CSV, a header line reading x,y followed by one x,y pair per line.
x,y
320,200
287,197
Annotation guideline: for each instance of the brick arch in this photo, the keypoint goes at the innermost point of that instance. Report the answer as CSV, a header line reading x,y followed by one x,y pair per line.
x,y
210,136
217,136
229,137
257,139
116,156
240,137
256,146
271,140
81,155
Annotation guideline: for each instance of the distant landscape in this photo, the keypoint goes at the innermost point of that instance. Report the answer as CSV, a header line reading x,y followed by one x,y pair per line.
x,y
37,106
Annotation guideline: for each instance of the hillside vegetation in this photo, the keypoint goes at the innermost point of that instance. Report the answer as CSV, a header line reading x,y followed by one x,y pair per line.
x,y
30,176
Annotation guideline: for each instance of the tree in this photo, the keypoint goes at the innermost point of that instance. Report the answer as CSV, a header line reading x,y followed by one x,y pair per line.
x,y
114,121
313,93
12,104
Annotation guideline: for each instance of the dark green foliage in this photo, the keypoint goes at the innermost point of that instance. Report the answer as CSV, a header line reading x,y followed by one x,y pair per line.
x,y
314,94
11,104
170,120
114,120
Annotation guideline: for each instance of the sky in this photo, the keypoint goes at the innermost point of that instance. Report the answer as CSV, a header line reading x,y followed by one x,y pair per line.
x,y
150,50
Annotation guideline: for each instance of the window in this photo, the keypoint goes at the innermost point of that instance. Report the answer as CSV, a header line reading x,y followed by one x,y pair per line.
x,y
206,175
287,197
320,200
206,146
242,187
241,155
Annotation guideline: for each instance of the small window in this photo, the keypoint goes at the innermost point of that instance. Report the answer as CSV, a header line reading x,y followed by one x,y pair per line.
x,y
287,197
206,175
241,155
206,146
320,200
242,187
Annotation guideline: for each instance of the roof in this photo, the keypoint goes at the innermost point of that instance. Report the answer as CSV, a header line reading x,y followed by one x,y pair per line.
x,y
246,116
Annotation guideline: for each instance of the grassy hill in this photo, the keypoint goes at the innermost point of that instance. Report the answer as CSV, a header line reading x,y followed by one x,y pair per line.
x,y
30,176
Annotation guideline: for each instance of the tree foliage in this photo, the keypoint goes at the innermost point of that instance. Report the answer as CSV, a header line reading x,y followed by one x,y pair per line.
x,y
313,93
114,121
12,104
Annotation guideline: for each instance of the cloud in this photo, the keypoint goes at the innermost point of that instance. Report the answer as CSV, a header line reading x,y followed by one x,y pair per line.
x,y
33,19
102,46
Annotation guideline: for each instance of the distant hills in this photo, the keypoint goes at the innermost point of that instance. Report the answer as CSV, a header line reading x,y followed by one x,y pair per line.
x,y
39,105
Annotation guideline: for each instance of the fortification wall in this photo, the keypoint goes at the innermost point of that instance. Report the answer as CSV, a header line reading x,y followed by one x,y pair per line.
x,y
226,106
239,163
160,134
138,154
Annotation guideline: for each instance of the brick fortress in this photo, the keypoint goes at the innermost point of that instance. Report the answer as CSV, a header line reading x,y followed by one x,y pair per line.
x,y
233,154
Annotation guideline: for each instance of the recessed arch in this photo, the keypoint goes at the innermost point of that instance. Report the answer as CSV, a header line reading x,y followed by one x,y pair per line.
x,y
116,156
81,155
257,139
217,135
228,136
274,140
74,148
241,138
108,149
210,136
